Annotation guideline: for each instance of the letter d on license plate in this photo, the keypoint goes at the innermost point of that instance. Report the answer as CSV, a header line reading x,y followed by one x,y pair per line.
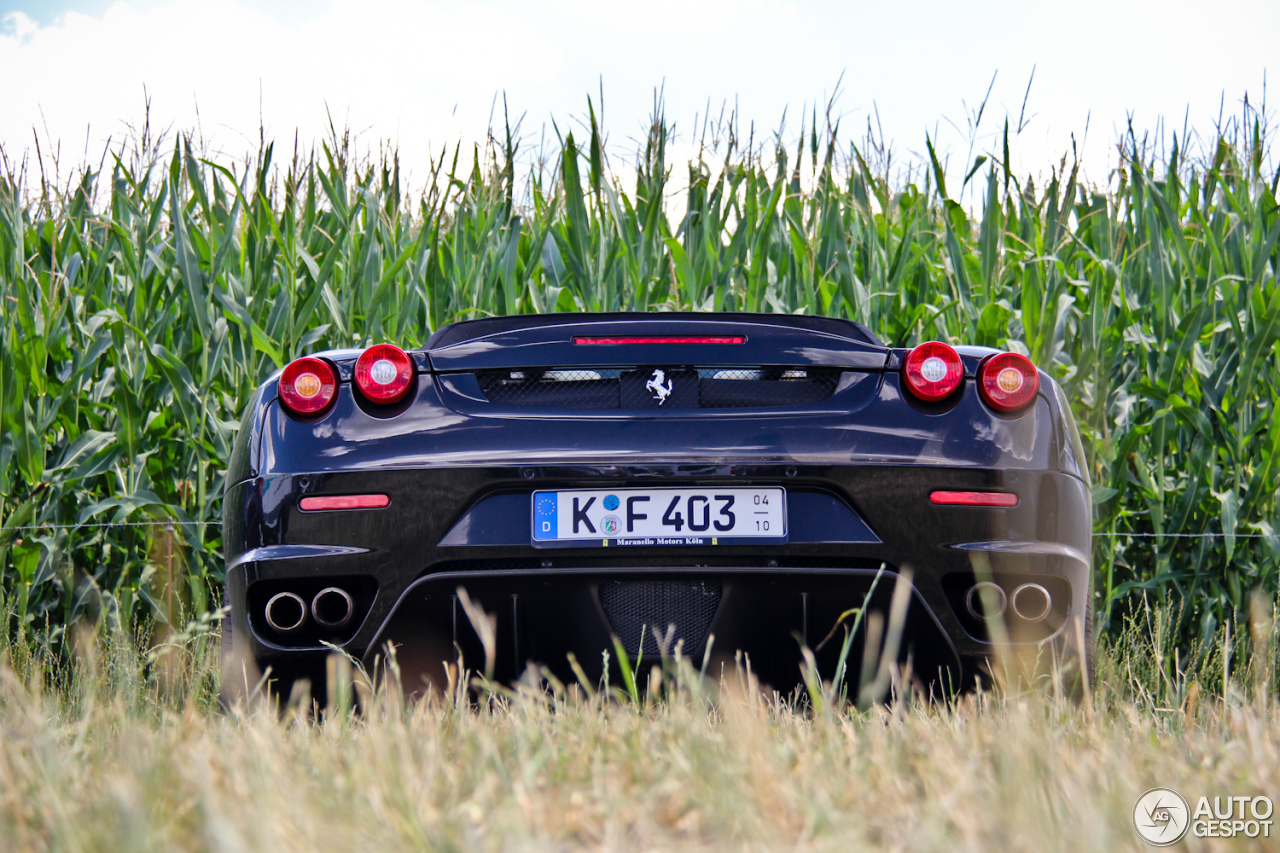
x,y
627,517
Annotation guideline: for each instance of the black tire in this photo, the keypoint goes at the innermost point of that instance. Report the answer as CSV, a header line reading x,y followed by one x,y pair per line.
x,y
1081,679
227,629
232,686
1090,647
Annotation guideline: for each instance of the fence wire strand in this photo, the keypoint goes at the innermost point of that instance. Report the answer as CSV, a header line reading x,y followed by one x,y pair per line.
x,y
113,524
171,524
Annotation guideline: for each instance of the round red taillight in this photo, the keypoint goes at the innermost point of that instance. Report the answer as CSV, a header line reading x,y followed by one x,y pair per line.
x,y
933,371
384,373
308,386
1008,381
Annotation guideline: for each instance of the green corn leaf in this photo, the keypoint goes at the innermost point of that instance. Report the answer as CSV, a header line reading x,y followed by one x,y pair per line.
x,y
28,449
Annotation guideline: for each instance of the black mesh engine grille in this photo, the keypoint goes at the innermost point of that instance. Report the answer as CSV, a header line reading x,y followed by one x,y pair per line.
x,y
636,608
659,387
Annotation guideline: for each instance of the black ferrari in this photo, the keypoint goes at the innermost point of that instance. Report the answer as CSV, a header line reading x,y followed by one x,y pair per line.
x,y
724,485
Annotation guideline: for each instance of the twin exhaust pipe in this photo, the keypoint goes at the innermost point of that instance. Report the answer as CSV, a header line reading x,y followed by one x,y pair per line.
x,y
1031,602
332,608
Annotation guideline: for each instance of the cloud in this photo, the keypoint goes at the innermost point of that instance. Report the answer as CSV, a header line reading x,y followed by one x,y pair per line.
x,y
17,26
412,72
47,12
424,73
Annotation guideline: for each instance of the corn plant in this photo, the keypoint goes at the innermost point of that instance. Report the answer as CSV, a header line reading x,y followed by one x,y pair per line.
x,y
144,301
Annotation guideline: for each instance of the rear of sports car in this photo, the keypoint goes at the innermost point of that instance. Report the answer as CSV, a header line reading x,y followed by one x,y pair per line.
x,y
724,485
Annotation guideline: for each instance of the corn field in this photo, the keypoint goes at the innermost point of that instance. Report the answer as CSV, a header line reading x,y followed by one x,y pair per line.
x,y
144,299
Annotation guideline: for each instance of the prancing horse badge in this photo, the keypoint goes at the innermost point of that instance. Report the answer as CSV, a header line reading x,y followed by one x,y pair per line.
x,y
656,385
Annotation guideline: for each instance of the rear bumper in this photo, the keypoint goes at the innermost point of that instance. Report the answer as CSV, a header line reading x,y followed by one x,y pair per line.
x,y
543,616
467,527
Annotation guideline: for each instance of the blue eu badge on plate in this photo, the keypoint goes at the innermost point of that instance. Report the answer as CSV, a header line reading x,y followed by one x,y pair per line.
x,y
544,516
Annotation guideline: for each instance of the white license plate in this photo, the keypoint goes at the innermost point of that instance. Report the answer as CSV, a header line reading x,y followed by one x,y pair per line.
x,y
621,517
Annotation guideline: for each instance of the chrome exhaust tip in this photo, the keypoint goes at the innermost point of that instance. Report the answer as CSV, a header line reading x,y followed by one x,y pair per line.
x,y
286,612
974,601
332,607
1032,602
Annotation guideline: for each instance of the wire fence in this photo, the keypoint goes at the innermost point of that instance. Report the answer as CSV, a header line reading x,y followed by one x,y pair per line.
x,y
172,524
112,524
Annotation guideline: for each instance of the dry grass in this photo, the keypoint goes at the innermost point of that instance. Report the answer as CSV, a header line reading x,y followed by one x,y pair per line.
x,y
123,755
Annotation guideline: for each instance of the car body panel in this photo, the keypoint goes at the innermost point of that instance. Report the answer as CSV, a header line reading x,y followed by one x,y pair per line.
x,y
858,466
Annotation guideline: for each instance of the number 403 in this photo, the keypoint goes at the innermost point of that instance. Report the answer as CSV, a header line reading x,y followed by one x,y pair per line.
x,y
698,508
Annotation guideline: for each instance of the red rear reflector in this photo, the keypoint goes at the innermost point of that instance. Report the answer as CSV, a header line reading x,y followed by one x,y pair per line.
x,y
933,371
314,504
666,339
384,373
308,386
974,498
1008,381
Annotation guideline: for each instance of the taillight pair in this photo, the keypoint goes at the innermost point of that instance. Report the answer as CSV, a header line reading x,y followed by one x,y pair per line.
x,y
1008,382
383,374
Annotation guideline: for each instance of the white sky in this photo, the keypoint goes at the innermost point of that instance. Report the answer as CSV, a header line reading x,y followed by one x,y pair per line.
x,y
424,74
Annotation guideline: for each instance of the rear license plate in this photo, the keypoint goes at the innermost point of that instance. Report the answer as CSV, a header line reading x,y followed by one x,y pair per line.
x,y
624,517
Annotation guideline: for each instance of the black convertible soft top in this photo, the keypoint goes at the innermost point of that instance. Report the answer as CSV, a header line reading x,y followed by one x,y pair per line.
x,y
468,330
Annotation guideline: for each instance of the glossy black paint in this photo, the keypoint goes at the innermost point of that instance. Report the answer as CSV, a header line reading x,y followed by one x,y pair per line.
x,y
858,468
